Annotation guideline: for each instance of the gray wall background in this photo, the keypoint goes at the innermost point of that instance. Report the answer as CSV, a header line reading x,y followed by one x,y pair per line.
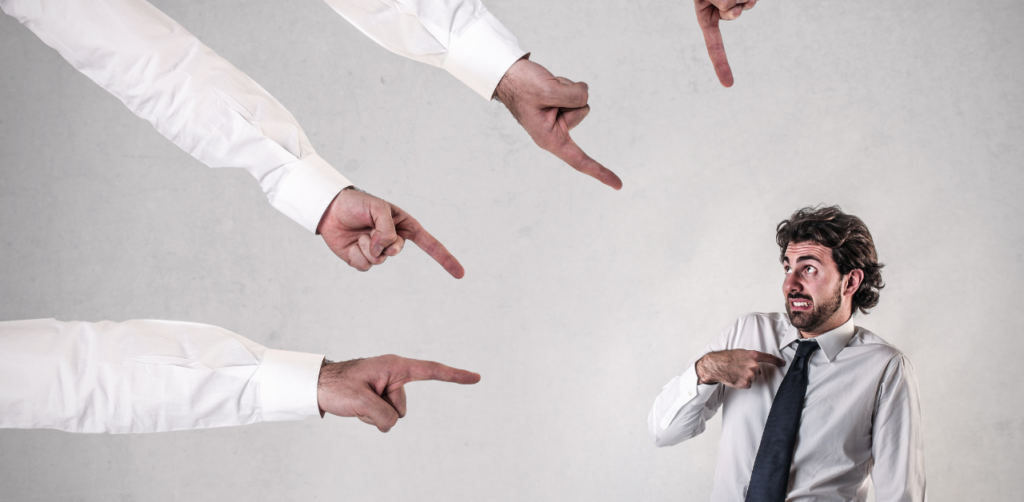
x,y
579,302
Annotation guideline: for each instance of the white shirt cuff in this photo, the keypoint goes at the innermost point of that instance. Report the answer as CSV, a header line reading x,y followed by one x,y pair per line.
x,y
288,383
690,391
308,188
482,54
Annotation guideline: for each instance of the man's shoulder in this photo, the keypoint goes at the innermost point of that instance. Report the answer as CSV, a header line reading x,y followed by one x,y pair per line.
x,y
776,321
758,326
867,338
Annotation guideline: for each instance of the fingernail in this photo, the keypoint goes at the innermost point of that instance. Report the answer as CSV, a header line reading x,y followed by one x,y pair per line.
x,y
377,249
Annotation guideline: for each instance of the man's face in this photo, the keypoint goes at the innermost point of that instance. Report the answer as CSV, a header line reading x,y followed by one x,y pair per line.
x,y
813,289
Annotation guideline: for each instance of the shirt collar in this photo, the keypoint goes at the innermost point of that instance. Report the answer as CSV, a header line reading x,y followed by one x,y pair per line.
x,y
831,342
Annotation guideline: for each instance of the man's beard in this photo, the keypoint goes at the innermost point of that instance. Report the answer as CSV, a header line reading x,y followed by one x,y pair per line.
x,y
811,321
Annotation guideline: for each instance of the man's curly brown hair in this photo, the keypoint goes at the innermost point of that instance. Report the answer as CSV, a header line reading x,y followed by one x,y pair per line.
x,y
850,241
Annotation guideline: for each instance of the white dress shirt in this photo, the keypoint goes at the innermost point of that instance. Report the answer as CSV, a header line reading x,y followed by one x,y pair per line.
x,y
219,115
147,376
861,414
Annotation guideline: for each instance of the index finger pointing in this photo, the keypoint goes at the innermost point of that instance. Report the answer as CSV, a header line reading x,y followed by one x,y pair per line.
x,y
418,370
716,49
410,229
571,154
762,357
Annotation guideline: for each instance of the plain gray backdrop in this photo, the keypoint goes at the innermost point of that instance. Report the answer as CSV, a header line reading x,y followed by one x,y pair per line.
x,y
579,302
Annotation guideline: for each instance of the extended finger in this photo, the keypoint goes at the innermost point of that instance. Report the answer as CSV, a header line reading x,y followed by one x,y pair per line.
x,y
383,234
571,154
575,115
716,51
416,370
411,230
364,247
762,357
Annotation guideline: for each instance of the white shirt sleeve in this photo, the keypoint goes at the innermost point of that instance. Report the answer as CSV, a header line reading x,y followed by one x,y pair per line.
x,y
682,409
147,376
460,36
192,96
684,406
897,443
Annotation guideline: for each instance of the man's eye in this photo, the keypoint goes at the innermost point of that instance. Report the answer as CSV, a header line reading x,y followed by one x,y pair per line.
x,y
811,270
787,270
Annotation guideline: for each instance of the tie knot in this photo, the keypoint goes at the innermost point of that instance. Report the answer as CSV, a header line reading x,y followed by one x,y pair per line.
x,y
806,348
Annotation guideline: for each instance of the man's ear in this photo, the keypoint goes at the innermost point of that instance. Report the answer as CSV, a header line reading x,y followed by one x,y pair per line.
x,y
853,280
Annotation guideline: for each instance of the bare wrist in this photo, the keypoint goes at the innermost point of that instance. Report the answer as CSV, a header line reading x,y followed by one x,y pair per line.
x,y
503,92
701,370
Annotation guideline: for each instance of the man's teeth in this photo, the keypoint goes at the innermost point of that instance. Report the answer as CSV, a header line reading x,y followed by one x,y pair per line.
x,y
801,304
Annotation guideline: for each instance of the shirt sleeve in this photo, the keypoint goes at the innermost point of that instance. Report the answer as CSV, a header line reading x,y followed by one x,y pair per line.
x,y
684,406
192,96
460,36
897,445
147,376
682,409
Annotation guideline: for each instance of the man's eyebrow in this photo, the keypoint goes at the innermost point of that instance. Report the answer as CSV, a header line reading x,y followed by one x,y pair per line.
x,y
802,258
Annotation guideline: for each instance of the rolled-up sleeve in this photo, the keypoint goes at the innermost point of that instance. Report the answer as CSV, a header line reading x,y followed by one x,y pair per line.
x,y
147,376
192,96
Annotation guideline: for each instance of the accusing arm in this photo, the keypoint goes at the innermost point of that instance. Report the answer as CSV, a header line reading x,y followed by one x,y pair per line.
x,y
146,376
460,36
465,39
220,116
192,96
154,376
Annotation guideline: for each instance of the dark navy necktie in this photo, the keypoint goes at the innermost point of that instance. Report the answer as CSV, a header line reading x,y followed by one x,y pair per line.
x,y
770,478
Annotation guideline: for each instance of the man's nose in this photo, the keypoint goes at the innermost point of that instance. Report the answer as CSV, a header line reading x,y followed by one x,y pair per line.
x,y
791,284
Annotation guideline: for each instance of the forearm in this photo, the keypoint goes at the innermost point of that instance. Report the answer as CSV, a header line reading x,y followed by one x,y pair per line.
x,y
460,36
146,376
187,92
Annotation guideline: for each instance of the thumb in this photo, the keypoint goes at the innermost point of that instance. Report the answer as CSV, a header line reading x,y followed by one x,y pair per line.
x,y
568,94
383,233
